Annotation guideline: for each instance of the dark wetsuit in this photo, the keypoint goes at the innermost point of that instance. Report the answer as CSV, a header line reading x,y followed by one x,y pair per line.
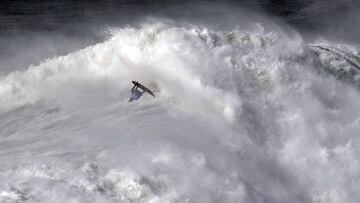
x,y
135,94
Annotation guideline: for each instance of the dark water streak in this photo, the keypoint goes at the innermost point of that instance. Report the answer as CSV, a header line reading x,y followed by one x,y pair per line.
x,y
50,15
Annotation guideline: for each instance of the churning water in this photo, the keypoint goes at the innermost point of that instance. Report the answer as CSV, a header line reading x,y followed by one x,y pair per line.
x,y
240,115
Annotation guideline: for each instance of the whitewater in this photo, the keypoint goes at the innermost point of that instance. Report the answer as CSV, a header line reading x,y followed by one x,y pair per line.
x,y
242,115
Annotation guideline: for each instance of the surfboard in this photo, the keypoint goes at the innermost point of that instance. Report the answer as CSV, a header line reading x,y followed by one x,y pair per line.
x,y
143,88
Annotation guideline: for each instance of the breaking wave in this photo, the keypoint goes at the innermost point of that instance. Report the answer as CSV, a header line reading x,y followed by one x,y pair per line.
x,y
340,60
239,116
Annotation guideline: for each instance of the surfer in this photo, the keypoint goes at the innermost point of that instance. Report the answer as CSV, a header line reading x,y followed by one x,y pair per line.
x,y
136,94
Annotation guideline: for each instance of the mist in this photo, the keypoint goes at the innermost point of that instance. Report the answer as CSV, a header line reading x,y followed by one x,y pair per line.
x,y
248,108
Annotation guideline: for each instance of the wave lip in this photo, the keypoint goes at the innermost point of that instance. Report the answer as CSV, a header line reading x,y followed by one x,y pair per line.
x,y
343,61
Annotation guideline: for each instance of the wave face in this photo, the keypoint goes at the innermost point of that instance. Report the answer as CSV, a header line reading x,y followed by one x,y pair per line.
x,y
239,116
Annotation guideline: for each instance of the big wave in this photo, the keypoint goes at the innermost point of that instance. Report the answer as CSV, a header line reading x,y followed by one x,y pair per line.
x,y
239,116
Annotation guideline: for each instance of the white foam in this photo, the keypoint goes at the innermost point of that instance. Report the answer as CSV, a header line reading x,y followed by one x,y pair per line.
x,y
239,116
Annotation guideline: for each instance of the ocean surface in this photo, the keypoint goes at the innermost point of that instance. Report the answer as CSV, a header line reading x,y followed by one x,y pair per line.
x,y
256,101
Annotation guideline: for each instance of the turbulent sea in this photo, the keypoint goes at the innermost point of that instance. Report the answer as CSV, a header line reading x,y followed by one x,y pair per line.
x,y
256,101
